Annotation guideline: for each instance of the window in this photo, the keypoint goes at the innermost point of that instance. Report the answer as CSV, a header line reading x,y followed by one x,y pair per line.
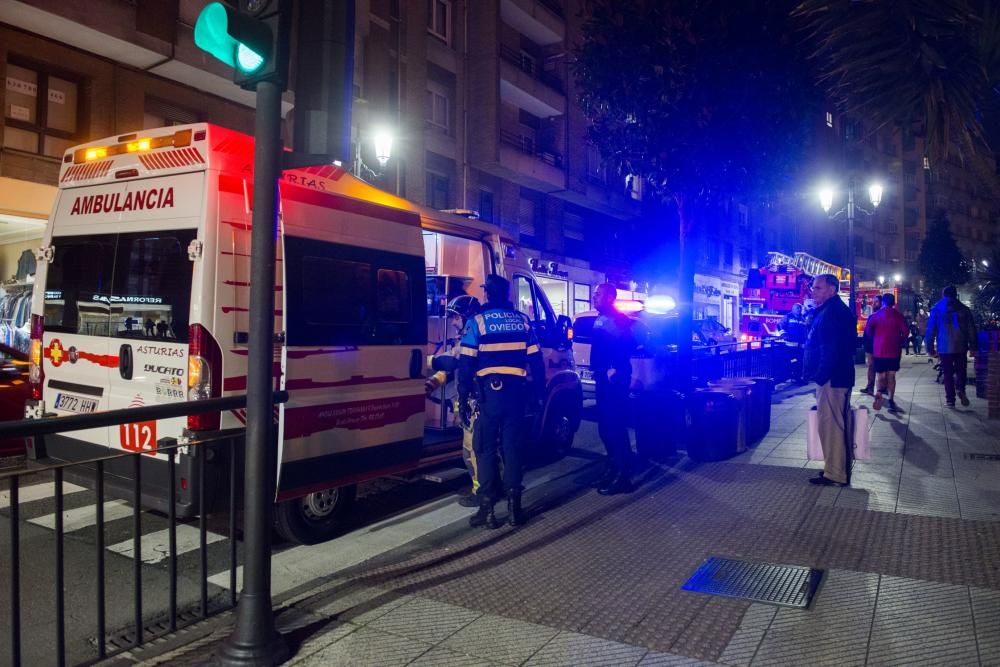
x,y
348,295
927,162
437,105
486,205
573,227
728,255
557,292
439,19
121,285
526,217
829,119
41,111
534,305
437,191
744,258
581,298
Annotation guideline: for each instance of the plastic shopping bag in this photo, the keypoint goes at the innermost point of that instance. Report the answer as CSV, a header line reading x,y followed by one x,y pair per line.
x,y
862,436
814,449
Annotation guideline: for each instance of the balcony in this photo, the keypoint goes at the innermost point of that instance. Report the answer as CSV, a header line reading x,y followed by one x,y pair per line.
x,y
527,146
529,66
542,21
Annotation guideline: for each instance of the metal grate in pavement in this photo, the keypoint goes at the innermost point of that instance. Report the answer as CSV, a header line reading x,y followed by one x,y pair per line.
x,y
978,456
784,585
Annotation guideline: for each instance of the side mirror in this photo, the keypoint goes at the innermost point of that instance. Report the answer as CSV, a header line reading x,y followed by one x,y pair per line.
x,y
446,363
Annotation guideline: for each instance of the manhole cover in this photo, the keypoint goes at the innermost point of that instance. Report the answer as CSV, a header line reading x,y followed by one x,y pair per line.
x,y
785,585
976,456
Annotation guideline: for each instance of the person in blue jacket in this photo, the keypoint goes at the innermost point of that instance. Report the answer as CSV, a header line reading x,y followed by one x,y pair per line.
x,y
500,364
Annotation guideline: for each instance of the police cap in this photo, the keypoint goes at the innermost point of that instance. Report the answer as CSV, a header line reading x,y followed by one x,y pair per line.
x,y
497,288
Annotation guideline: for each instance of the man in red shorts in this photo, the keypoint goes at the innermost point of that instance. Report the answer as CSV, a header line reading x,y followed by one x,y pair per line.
x,y
888,332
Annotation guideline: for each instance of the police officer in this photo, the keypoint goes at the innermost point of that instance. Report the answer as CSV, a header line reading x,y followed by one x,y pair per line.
x,y
497,352
611,362
460,310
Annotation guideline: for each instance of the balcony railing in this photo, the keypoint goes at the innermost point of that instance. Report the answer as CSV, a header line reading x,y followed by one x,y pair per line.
x,y
529,66
526,145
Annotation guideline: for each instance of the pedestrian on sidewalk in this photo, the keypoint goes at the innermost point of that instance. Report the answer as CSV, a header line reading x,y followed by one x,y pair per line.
x,y
612,344
888,331
951,334
501,362
868,344
916,338
830,364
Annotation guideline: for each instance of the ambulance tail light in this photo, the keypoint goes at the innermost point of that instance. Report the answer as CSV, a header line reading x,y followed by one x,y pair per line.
x,y
204,376
36,376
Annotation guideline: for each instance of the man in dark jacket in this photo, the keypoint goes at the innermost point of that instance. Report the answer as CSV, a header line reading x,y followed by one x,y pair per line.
x,y
951,333
611,363
830,364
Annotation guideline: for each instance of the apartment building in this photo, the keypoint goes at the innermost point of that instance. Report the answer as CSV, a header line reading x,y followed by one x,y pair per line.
x,y
477,92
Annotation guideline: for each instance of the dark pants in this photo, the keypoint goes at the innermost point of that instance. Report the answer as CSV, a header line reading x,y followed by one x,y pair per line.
x,y
612,424
500,425
953,368
917,341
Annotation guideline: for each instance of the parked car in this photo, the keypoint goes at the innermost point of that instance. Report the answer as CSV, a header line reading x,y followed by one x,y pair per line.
x,y
14,391
712,332
645,327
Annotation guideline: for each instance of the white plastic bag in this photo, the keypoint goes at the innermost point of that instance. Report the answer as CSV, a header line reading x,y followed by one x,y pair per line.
x,y
862,436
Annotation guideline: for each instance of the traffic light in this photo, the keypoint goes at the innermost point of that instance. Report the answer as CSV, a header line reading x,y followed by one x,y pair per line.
x,y
252,40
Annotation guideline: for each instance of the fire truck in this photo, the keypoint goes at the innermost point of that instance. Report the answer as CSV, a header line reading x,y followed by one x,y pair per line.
x,y
772,290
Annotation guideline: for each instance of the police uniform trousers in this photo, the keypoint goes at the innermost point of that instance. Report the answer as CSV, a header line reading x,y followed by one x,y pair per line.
x,y
500,426
612,424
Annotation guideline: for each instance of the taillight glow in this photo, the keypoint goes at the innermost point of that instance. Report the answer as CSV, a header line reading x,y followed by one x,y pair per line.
x,y
204,376
36,376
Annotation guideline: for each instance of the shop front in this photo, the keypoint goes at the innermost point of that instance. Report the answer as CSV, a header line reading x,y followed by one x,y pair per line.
x,y
24,211
707,298
569,288
730,305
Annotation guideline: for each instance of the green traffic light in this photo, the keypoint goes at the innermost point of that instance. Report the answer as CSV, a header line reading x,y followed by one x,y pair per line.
x,y
214,32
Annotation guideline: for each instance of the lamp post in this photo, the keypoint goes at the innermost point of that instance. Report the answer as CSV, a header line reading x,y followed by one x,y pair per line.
x,y
826,196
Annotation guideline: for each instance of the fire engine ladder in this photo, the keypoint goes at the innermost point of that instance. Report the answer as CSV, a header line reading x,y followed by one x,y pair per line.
x,y
814,266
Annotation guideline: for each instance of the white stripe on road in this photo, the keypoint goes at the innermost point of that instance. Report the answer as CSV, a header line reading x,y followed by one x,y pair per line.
x,y
27,494
302,564
84,517
156,546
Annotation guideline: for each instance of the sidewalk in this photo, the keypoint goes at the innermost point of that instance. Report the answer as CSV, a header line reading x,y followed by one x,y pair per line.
x,y
911,554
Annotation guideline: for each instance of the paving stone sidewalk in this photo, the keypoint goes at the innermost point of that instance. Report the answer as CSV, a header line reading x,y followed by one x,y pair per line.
x,y
911,553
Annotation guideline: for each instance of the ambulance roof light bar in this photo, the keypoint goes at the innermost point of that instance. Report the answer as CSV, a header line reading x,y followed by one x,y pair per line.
x,y
178,139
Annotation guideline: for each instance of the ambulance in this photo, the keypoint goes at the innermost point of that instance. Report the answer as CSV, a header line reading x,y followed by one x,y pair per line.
x,y
143,298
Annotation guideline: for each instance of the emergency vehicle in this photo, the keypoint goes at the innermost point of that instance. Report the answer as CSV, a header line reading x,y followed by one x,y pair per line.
x,y
143,298
770,294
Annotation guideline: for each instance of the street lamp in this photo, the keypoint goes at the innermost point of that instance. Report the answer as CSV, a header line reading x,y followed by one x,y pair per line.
x,y
381,139
881,280
826,194
897,278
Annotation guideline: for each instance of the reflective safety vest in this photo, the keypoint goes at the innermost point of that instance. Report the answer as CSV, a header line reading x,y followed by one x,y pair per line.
x,y
498,341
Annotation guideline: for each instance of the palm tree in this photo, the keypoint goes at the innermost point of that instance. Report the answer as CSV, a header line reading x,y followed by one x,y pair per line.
x,y
929,64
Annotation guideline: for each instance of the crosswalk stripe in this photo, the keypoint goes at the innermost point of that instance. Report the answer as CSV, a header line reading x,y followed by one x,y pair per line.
x,y
156,546
84,517
27,494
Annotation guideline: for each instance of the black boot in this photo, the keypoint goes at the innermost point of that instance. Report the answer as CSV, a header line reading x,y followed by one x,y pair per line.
x,y
622,483
515,516
485,515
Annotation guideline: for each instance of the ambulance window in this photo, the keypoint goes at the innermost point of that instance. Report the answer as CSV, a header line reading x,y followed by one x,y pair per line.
x,y
79,283
152,285
341,298
393,296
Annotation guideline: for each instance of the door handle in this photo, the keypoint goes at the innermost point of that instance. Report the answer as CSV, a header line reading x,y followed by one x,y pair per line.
x,y
125,361
416,364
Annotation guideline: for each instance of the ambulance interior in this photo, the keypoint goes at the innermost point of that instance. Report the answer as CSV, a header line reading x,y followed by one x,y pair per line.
x,y
455,266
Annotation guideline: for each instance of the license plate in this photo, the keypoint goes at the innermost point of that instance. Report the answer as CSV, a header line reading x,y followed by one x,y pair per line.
x,y
70,403
587,374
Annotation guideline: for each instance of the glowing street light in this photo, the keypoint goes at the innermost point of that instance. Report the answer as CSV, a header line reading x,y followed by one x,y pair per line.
x,y
383,145
897,278
826,194
881,280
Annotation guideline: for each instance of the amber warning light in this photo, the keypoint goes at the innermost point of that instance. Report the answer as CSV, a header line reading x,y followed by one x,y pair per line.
x,y
135,145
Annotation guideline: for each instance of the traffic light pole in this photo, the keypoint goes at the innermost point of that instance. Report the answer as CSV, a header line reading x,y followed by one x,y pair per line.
x,y
255,641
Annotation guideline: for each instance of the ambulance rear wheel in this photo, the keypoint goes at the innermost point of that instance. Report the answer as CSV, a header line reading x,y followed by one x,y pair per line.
x,y
315,517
